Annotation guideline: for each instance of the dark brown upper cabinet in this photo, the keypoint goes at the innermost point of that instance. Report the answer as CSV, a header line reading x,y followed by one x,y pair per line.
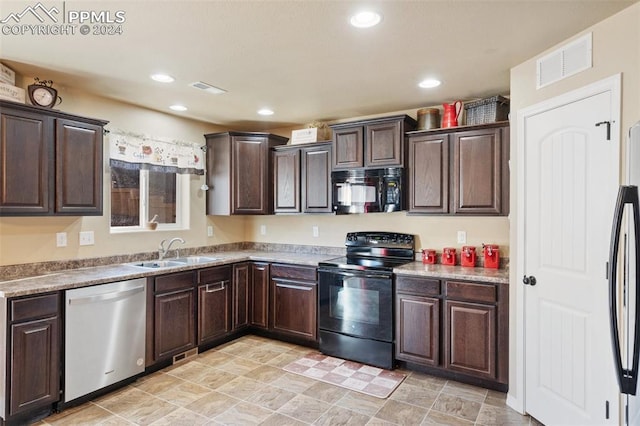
x,y
240,172
372,144
462,170
302,178
480,171
50,162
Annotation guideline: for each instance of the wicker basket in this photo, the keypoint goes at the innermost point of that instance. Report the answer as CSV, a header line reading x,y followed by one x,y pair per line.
x,y
487,110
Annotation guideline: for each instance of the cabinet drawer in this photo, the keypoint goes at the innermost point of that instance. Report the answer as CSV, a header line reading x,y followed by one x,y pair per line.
x,y
418,286
34,307
214,275
296,272
470,291
172,282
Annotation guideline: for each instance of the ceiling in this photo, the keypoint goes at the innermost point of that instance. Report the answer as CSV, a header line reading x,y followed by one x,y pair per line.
x,y
300,58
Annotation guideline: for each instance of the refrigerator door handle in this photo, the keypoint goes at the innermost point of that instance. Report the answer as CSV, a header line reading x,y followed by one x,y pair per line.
x,y
627,378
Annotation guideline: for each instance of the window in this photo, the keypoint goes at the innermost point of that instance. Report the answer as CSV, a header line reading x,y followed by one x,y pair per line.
x,y
139,195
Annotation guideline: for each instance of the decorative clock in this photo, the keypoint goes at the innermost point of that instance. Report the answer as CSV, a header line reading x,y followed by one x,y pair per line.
x,y
41,93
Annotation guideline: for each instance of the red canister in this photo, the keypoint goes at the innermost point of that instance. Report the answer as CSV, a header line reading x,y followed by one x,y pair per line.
x,y
449,256
428,256
491,256
468,256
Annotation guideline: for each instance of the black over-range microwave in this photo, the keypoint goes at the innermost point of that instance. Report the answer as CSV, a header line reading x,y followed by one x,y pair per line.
x,y
367,191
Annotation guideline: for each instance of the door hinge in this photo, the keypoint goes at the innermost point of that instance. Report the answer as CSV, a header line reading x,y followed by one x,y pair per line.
x,y
606,410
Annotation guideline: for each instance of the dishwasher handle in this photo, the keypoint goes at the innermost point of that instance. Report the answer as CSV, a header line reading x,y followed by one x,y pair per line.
x,y
106,296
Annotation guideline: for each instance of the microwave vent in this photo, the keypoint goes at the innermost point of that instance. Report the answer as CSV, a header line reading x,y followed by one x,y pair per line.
x,y
208,88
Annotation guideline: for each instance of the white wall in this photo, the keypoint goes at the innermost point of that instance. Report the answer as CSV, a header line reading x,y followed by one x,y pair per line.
x,y
616,49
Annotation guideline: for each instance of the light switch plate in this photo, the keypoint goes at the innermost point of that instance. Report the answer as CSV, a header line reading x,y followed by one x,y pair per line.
x,y
263,229
209,231
462,237
87,238
314,230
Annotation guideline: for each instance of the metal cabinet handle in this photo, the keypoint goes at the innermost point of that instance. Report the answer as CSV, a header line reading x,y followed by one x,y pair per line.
x,y
220,286
294,287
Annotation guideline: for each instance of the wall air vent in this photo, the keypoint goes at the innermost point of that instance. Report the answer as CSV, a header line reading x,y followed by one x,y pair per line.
x,y
207,87
568,60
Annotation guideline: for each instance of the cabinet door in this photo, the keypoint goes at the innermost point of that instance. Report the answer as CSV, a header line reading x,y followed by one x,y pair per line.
x,y
174,323
471,339
383,145
214,304
316,179
260,295
78,168
418,329
428,179
477,172
26,160
240,296
250,175
286,182
348,148
35,365
294,308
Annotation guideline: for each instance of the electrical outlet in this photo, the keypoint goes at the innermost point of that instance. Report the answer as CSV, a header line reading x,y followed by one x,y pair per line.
x,y
87,238
314,230
462,237
263,229
61,239
209,231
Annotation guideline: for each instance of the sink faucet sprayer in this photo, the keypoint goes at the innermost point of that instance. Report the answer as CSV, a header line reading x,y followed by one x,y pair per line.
x,y
162,251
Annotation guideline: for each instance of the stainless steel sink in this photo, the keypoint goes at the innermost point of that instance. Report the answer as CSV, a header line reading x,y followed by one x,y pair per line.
x,y
157,264
194,260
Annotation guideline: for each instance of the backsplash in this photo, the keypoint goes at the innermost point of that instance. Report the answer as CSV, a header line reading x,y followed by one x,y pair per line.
x,y
10,272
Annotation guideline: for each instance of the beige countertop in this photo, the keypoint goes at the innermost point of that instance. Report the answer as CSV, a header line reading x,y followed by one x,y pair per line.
x,y
83,277
496,276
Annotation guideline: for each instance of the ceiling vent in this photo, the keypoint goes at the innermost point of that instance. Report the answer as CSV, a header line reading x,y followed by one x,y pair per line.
x,y
570,59
207,87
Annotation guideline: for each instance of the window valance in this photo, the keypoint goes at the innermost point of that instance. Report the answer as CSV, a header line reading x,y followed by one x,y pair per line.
x,y
132,151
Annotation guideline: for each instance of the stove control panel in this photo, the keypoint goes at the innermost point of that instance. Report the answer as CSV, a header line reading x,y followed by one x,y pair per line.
x,y
379,239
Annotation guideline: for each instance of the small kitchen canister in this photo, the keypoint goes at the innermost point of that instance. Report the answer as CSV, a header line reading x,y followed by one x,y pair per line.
x,y
428,118
428,256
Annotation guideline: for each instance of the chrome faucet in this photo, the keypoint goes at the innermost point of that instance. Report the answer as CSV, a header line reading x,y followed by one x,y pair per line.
x,y
162,252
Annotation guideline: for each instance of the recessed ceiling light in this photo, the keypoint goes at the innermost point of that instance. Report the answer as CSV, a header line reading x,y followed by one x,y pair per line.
x,y
265,111
429,83
162,78
178,107
365,19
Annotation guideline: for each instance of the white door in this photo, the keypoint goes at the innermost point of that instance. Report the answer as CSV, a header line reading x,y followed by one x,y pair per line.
x,y
571,179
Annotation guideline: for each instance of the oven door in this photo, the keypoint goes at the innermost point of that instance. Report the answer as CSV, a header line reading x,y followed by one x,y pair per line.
x,y
356,303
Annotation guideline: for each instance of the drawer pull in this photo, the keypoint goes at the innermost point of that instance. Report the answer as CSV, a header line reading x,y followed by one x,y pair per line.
x,y
211,288
294,287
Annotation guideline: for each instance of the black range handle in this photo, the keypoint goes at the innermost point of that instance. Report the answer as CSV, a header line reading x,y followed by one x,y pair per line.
x,y
627,379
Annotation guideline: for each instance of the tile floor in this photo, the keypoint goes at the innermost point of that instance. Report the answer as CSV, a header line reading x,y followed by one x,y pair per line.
x,y
242,383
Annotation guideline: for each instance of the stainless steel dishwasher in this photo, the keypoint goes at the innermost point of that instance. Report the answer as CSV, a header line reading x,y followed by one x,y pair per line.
x,y
104,335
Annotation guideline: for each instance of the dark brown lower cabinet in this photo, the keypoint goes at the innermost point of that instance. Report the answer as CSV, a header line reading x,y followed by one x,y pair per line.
x,y
294,299
456,329
471,339
260,295
173,314
240,295
214,303
418,320
34,363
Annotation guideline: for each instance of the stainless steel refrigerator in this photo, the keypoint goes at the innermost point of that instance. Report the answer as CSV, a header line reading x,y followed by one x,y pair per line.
x,y
624,284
